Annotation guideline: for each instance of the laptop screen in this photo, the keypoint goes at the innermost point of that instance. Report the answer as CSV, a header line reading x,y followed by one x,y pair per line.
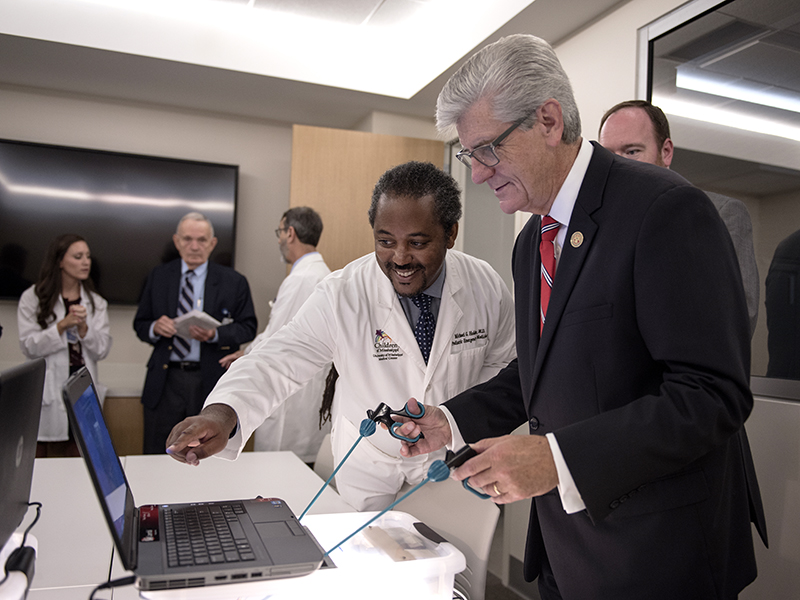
x,y
100,452
20,406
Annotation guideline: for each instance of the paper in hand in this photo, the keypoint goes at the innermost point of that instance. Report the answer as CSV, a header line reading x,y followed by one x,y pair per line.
x,y
194,317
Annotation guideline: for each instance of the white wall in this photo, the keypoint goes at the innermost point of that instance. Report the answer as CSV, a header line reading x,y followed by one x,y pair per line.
x,y
261,149
601,59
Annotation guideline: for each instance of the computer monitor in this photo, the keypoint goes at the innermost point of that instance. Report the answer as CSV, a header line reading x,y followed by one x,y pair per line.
x,y
20,407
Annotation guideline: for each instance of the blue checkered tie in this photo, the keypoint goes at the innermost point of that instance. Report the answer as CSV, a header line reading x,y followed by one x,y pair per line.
x,y
426,325
181,346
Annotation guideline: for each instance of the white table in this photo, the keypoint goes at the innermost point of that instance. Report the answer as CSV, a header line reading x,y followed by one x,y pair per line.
x,y
75,546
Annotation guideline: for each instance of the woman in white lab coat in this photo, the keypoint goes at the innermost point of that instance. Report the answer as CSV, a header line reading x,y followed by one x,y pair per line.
x,y
62,319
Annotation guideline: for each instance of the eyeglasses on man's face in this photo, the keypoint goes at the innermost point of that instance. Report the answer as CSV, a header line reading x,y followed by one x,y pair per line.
x,y
278,231
486,154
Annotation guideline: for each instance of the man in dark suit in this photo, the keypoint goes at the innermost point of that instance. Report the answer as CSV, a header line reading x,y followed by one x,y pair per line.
x,y
638,130
181,372
632,373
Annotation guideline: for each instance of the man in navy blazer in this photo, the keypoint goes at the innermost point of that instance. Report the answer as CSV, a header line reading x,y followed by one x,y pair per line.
x,y
634,381
178,381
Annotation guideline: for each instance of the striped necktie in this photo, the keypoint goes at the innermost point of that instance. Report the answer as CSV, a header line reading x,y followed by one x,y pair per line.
x,y
426,325
181,346
547,247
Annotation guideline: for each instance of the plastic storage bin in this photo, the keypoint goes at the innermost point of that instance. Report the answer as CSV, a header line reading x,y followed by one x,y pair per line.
x,y
389,560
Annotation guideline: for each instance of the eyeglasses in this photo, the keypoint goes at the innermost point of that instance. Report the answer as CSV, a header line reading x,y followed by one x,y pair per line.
x,y
486,154
278,231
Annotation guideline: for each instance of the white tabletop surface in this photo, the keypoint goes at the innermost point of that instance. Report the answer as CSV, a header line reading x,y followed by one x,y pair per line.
x,y
160,479
74,541
75,544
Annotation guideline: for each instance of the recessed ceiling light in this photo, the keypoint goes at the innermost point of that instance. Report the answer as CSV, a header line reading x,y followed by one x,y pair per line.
x,y
391,57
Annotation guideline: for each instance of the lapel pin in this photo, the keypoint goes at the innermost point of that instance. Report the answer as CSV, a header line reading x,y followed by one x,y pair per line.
x,y
576,240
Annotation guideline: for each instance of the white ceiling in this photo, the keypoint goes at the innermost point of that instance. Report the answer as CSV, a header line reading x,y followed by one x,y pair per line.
x,y
46,53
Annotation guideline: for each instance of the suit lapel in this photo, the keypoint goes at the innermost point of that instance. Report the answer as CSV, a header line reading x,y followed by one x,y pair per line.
x,y
211,292
580,237
173,287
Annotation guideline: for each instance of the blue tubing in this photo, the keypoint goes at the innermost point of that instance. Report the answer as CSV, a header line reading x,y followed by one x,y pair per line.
x,y
438,471
380,514
367,429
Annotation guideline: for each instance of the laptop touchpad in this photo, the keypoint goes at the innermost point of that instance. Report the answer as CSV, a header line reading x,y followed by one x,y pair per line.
x,y
269,531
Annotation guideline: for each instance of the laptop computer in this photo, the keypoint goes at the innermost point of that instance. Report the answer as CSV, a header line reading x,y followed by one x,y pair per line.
x,y
20,407
216,542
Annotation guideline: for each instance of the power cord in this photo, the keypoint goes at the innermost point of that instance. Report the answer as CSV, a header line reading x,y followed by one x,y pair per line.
x,y
23,558
112,583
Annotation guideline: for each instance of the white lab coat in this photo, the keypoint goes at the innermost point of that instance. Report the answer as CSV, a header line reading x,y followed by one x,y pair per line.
x,y
355,318
294,425
36,342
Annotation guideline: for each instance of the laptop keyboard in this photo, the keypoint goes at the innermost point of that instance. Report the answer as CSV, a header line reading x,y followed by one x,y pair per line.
x,y
205,534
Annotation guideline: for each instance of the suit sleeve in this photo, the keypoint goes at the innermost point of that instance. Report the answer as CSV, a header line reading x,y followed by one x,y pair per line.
x,y
492,408
694,392
737,220
145,311
243,328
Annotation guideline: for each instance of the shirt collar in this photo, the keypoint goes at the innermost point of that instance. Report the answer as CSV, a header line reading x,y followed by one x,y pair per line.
x,y
561,210
294,264
199,271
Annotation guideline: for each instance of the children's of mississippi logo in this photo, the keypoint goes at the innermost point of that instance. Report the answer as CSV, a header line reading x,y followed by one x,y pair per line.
x,y
385,348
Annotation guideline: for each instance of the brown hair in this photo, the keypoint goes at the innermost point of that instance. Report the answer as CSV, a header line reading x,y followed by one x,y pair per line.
x,y
48,287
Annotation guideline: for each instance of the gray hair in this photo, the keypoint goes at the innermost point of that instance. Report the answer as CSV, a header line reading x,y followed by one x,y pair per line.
x,y
306,222
518,74
195,216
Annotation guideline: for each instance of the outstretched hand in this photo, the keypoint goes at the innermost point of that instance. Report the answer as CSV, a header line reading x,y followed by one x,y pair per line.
x,y
204,435
433,424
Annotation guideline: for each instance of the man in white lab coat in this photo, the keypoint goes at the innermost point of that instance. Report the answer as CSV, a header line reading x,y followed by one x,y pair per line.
x,y
295,424
363,318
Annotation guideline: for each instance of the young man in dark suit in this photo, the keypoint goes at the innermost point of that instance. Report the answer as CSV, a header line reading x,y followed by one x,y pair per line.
x,y
633,352
181,372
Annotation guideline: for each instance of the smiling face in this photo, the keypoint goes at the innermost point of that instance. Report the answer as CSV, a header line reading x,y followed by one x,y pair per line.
x,y
528,176
410,243
77,262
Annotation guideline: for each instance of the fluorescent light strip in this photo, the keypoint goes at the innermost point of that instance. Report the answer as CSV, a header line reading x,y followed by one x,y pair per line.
x,y
736,89
727,118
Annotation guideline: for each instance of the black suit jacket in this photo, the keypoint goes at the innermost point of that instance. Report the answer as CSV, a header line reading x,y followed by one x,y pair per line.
x,y
226,291
642,373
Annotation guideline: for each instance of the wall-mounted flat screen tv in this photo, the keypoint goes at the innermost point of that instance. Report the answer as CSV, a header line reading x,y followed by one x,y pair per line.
x,y
126,206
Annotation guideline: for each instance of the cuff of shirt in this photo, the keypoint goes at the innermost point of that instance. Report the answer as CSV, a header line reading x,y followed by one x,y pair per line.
x,y
153,337
571,499
457,441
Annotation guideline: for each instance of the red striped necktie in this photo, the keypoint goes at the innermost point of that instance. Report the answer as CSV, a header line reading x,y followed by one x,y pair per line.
x,y
547,247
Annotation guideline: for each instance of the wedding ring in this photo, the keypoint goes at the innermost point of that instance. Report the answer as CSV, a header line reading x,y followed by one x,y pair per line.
x,y
496,491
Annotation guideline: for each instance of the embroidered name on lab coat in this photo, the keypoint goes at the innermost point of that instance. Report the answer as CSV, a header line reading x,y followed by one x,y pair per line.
x,y
385,347
469,337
